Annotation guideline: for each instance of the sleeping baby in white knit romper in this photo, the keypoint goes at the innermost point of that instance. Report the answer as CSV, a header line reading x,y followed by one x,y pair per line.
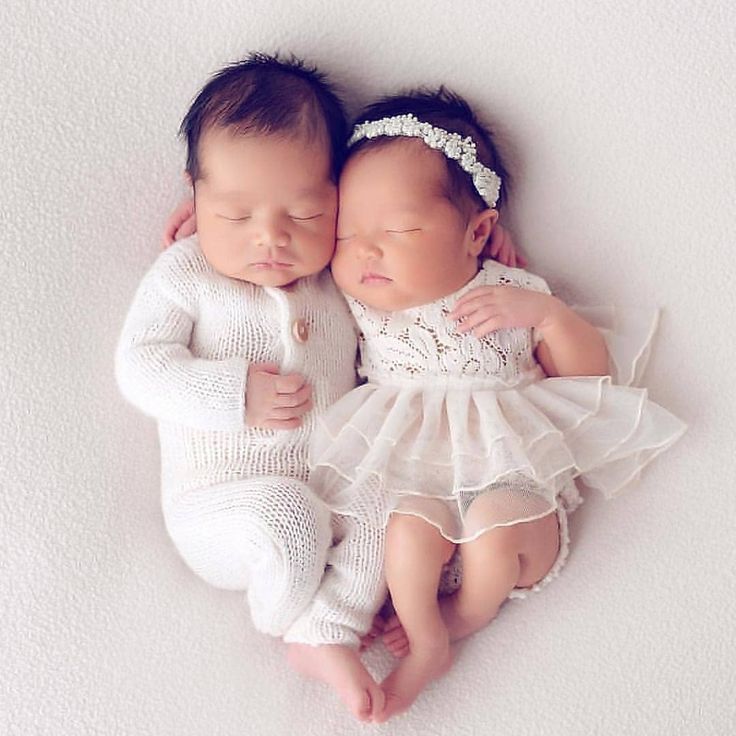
x,y
237,339
236,342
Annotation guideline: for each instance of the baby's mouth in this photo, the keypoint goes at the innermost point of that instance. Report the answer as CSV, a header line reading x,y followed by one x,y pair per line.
x,y
370,277
271,264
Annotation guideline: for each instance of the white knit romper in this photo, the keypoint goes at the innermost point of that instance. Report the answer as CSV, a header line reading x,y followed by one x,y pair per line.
x,y
234,497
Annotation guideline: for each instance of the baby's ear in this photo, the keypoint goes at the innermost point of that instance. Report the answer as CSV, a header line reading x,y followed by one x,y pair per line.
x,y
480,228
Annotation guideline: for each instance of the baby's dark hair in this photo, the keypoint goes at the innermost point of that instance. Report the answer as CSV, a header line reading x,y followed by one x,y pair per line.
x,y
264,95
447,110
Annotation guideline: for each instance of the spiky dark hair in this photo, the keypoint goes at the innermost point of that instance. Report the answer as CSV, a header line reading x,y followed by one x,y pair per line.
x,y
263,95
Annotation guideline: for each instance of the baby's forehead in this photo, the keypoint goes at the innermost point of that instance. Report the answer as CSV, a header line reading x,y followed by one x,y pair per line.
x,y
407,159
308,140
224,152
392,146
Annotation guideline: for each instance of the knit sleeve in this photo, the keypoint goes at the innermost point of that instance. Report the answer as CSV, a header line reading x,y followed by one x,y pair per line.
x,y
157,372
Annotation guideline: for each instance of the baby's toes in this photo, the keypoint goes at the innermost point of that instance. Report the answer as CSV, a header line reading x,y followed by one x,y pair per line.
x,y
397,643
391,624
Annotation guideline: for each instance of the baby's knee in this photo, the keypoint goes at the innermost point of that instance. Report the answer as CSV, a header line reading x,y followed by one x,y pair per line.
x,y
291,510
409,537
405,532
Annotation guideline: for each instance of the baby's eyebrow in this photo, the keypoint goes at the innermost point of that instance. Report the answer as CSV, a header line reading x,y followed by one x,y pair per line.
x,y
305,193
229,194
406,211
312,191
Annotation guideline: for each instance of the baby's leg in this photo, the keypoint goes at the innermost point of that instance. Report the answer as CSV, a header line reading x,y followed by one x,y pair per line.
x,y
415,554
324,639
266,535
494,564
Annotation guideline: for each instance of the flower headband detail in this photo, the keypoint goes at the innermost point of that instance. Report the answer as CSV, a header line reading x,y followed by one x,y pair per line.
x,y
486,182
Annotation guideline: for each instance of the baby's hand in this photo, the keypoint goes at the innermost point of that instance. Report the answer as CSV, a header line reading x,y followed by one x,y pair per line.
x,y
181,224
490,308
395,638
273,400
502,249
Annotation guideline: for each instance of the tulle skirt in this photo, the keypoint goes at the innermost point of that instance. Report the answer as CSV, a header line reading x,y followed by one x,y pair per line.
x,y
469,454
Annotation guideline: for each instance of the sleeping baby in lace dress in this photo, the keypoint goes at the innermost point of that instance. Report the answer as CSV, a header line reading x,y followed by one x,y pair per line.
x,y
485,396
485,399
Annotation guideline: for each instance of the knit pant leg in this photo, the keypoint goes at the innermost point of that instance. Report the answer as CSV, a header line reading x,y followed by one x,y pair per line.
x,y
352,590
268,536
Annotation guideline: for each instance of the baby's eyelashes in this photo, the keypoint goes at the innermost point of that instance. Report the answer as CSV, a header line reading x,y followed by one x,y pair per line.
x,y
242,218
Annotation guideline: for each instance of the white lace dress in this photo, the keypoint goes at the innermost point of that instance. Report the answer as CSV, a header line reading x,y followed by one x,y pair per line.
x,y
468,433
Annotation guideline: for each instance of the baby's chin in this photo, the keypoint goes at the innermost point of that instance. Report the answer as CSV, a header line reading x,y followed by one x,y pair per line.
x,y
383,294
274,277
383,298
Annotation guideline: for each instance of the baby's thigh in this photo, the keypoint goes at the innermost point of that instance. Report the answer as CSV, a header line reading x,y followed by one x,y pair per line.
x,y
536,544
220,530
539,548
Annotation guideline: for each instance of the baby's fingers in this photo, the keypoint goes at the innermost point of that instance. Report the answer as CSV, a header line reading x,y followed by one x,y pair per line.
x,y
478,317
394,637
396,642
281,423
289,383
472,300
400,651
295,399
285,413
188,227
485,327
391,624
508,255
497,240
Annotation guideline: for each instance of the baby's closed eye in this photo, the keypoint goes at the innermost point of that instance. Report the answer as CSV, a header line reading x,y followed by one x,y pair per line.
x,y
304,218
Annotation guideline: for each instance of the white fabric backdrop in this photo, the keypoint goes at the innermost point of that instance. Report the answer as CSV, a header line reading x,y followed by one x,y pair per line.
x,y
617,119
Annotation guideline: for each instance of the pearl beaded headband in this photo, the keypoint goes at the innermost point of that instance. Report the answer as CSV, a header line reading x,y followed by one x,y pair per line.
x,y
486,182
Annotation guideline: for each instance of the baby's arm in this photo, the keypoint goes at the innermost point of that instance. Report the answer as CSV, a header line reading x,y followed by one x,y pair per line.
x,y
157,372
569,345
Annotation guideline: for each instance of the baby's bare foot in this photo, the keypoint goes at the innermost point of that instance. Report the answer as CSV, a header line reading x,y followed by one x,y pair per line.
x,y
414,672
340,667
394,637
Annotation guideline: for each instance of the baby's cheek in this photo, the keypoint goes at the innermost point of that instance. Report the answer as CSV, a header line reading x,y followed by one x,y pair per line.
x,y
341,269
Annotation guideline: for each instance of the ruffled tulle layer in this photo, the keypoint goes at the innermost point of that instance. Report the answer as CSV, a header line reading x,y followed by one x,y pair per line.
x,y
467,460
469,454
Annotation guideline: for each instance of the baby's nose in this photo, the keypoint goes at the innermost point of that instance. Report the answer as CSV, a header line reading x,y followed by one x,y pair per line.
x,y
271,235
367,249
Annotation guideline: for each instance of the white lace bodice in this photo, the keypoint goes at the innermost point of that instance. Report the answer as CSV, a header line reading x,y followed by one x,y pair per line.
x,y
448,417
423,342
